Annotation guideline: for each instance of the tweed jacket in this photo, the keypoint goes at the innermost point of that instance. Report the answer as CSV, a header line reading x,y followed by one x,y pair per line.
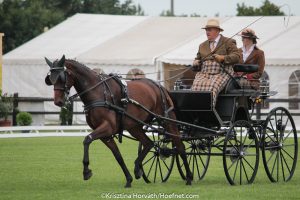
x,y
257,57
226,46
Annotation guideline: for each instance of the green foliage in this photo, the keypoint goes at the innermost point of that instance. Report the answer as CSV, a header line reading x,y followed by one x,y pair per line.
x,y
6,105
166,13
267,9
22,20
66,115
24,119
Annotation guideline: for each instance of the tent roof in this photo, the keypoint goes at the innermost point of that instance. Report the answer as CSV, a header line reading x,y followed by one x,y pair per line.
x,y
77,34
142,44
277,39
140,40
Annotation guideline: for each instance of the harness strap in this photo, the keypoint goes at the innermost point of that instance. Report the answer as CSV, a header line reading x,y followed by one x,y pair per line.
x,y
95,104
124,100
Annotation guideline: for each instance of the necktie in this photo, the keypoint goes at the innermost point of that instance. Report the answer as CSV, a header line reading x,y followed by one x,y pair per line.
x,y
212,45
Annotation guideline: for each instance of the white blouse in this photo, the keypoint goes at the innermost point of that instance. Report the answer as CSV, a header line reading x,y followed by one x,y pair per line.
x,y
247,53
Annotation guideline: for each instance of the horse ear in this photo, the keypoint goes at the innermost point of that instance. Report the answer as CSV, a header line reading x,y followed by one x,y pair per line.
x,y
49,62
62,61
47,80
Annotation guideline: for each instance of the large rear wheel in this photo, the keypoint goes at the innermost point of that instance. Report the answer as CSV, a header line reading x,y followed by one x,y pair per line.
x,y
279,145
240,153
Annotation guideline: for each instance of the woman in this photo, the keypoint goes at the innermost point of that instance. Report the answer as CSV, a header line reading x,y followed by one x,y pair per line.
x,y
251,54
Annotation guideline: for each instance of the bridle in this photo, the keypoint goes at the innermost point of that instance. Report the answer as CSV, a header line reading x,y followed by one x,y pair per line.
x,y
60,74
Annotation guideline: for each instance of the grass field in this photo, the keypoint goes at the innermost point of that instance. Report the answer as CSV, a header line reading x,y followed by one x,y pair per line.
x,y
51,168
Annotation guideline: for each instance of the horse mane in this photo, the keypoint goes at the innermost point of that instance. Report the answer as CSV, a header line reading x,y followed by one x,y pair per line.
x,y
69,63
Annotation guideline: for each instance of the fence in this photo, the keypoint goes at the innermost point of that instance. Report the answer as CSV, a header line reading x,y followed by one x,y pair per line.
x,y
258,109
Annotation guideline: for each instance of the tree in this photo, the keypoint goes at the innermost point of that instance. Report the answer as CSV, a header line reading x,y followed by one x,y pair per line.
x,y
267,9
22,20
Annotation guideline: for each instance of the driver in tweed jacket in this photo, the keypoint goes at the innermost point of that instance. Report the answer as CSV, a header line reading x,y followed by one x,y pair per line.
x,y
216,50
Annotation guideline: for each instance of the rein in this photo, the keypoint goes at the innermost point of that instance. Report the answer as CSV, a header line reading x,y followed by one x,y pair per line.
x,y
71,98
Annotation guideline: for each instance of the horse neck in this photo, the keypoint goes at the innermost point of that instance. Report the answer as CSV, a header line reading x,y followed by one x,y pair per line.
x,y
84,79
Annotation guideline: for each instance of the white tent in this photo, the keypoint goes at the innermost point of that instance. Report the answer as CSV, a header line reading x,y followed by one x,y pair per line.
x,y
120,43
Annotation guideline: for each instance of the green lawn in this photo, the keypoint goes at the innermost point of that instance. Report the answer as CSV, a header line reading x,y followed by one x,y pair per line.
x,y
51,168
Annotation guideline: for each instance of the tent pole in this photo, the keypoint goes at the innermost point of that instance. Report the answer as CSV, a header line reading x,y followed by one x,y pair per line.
x,y
1,36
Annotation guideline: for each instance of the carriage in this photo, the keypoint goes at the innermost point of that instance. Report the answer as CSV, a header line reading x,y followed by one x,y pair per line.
x,y
227,130
171,119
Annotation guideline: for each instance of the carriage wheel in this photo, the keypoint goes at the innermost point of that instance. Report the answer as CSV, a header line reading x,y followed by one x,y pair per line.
x,y
279,145
198,156
241,153
158,164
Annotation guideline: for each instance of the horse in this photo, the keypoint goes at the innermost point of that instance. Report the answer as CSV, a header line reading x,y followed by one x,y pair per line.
x,y
103,99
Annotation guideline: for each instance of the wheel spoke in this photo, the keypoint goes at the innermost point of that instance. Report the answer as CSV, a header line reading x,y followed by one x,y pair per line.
x,y
272,154
288,135
166,165
248,164
249,145
238,151
245,171
160,170
282,168
274,164
150,168
236,166
288,154
155,172
148,160
286,164
197,167
240,171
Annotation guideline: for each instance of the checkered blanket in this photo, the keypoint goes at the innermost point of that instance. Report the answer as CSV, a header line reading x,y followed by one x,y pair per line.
x,y
211,78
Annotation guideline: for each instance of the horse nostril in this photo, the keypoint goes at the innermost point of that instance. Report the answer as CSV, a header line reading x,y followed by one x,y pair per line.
x,y
59,103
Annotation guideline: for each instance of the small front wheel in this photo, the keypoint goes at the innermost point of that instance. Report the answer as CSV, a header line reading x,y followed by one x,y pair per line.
x,y
198,156
158,164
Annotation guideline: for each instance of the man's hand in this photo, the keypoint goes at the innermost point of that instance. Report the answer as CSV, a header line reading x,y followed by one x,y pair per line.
x,y
219,58
196,65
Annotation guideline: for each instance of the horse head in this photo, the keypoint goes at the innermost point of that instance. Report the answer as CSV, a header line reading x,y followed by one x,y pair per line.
x,y
58,77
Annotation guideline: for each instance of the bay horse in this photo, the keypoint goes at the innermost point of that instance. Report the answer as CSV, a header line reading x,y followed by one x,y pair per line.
x,y
103,100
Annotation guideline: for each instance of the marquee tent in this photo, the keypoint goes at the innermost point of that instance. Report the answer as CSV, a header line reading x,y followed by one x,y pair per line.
x,y
153,44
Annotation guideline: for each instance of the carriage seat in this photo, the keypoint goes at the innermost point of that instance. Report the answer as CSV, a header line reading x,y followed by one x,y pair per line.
x,y
233,87
246,68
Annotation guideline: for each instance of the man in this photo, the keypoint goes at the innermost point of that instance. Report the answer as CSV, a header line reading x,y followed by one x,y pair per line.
x,y
216,51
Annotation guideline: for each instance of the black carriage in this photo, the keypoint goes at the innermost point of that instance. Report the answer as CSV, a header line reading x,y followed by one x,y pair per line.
x,y
226,130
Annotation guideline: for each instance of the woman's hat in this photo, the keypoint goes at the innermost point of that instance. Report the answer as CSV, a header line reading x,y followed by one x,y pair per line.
x,y
213,23
248,33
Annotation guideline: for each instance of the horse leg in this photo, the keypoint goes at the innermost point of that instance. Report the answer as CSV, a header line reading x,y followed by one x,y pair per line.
x,y
181,151
102,131
147,144
87,173
111,144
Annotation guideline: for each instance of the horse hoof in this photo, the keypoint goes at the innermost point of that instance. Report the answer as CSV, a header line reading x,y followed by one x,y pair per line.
x,y
188,182
87,175
138,173
128,185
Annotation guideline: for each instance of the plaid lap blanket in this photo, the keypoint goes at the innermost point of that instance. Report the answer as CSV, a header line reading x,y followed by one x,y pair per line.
x,y
211,78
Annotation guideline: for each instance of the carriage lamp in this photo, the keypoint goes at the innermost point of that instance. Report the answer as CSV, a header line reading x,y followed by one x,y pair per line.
x,y
264,87
178,84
